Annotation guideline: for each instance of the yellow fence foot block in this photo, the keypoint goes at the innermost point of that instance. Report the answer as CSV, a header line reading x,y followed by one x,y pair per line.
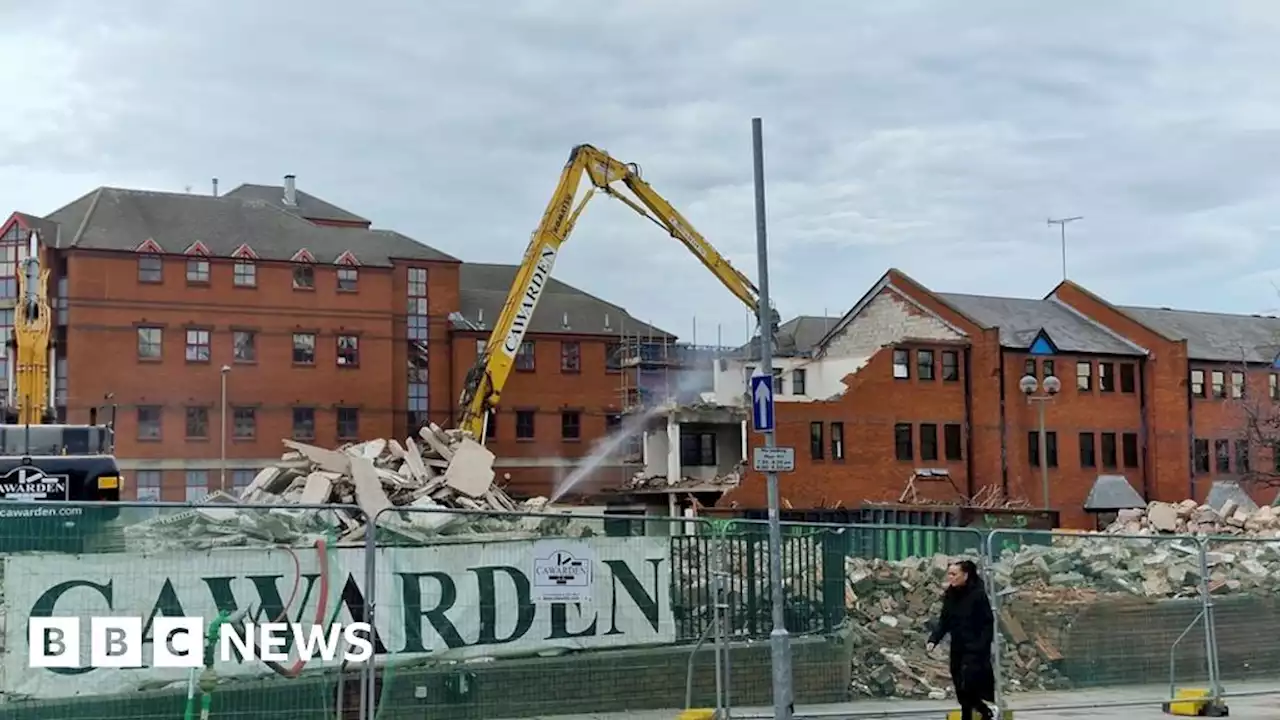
x,y
697,714
955,715
1194,702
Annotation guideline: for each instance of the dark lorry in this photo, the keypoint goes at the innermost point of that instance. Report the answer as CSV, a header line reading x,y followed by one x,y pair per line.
x,y
52,465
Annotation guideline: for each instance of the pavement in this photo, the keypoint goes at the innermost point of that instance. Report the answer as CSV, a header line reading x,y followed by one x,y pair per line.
x,y
1255,700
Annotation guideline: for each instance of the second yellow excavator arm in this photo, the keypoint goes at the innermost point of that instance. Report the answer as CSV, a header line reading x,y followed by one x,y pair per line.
x,y
488,376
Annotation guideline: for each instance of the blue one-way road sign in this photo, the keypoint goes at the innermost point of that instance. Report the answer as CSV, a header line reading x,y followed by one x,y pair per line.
x,y
762,402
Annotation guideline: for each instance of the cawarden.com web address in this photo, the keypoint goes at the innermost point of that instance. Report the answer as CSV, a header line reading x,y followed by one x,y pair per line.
x,y
40,512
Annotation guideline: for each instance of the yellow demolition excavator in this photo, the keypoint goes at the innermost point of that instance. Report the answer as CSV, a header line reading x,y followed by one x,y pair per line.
x,y
39,458
485,380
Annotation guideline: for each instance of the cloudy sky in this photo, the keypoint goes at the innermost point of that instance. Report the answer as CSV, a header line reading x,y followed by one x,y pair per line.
x,y
936,137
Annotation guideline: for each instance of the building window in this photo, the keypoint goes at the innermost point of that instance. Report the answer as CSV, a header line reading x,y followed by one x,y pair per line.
x,y
698,449
348,351
901,364
571,425
418,324
348,279
149,422
1200,456
1128,382
613,356
150,269
1029,367
197,485
1088,453
491,425
902,447
1242,457
241,479
348,423
1222,456
1219,383
1051,447
244,423
1197,383
417,282
148,484
304,277
245,274
197,271
197,345
1108,450
244,346
612,423
1047,369
197,423
304,423
525,357
950,366
928,442
924,364
570,357
1106,377
524,425
1129,449
418,400
1084,376
798,378
816,441
150,343
837,441
1237,385
304,349
951,441
1274,386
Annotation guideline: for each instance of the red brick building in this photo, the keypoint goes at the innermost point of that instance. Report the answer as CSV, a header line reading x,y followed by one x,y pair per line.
x,y
913,379
323,329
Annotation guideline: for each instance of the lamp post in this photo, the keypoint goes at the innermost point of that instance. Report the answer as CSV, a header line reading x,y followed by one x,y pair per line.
x,y
1051,386
222,426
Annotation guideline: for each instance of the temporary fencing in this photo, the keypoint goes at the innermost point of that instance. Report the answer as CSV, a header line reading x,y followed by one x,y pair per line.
x,y
484,614
1079,612
268,564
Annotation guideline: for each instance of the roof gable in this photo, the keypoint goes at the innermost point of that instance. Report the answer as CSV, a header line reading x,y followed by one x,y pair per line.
x,y
1043,345
303,256
149,246
347,258
244,252
196,248
885,282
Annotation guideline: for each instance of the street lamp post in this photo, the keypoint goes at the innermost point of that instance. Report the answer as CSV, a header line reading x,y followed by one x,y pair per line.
x,y
1051,386
222,425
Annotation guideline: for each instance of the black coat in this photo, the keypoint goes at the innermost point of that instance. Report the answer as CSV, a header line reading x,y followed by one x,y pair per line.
x,y
966,617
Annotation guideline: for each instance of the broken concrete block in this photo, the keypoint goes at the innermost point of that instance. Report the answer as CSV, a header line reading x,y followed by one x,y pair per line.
x,y
471,470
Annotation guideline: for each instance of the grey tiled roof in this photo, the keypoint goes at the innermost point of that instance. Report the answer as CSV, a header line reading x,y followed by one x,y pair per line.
x,y
1112,492
794,338
308,206
118,219
1215,336
1223,490
1020,320
484,289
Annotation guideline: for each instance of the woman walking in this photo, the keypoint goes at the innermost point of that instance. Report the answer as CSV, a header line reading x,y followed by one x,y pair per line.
x,y
966,617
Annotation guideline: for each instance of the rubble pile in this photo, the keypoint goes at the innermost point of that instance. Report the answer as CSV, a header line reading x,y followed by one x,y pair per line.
x,y
1191,517
441,470
1042,591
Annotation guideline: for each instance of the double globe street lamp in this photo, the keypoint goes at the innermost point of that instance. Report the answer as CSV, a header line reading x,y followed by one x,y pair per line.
x,y
1040,393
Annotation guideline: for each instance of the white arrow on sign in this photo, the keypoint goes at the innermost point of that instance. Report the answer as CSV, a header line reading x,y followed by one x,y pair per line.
x,y
763,397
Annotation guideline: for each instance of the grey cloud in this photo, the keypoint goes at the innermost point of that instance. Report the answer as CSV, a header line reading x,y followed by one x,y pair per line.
x,y
928,135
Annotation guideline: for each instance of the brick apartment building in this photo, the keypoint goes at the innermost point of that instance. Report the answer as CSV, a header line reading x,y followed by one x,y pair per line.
x,y
323,328
913,379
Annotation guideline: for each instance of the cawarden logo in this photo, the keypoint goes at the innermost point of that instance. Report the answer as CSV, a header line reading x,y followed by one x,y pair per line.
x,y
116,642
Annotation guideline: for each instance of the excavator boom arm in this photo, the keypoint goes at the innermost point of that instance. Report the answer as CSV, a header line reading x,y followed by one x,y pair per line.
x,y
488,376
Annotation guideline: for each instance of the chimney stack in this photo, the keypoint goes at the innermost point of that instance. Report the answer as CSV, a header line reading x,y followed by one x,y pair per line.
x,y
215,187
290,191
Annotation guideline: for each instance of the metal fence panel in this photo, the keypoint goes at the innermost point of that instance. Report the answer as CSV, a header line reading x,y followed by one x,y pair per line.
x,y
1243,576
1080,611
147,560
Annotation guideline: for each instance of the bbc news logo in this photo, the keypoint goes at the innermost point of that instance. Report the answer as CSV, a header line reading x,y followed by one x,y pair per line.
x,y
180,642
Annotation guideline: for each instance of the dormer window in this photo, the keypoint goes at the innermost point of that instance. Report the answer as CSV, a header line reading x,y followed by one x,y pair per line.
x,y
348,279
304,277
